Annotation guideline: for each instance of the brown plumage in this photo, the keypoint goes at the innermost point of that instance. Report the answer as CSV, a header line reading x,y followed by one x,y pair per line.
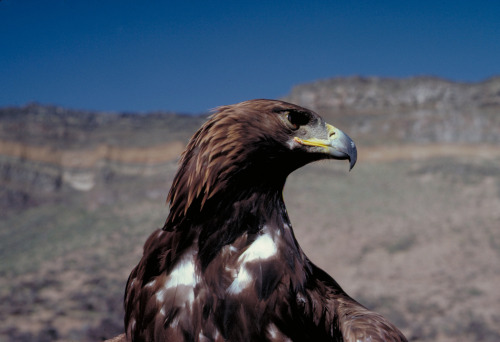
x,y
226,266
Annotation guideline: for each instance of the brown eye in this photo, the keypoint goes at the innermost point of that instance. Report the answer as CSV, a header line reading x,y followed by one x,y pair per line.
x,y
298,119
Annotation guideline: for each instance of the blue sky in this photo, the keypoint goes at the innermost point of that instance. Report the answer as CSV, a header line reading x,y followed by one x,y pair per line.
x,y
191,56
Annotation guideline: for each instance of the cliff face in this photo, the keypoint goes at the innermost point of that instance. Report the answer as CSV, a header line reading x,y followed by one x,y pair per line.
x,y
46,151
421,109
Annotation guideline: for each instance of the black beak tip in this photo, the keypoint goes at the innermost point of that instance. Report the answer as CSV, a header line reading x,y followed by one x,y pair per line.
x,y
352,153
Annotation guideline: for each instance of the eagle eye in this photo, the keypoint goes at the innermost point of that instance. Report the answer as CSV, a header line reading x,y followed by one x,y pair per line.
x,y
298,119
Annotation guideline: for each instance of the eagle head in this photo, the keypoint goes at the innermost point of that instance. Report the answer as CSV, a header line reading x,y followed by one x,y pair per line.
x,y
251,143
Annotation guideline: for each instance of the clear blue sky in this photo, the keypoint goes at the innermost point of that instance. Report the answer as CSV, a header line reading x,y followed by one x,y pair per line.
x,y
191,56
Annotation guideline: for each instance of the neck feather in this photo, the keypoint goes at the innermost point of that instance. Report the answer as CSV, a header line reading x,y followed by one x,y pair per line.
x,y
230,214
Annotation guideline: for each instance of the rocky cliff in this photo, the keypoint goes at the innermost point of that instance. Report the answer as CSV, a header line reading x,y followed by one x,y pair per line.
x,y
45,150
419,109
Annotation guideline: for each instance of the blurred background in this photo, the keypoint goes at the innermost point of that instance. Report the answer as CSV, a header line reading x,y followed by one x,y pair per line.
x,y
98,99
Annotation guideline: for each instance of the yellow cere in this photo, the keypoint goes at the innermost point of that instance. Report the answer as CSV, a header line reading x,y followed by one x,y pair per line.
x,y
332,131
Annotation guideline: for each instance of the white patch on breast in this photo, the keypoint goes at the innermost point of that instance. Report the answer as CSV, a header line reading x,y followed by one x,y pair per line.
x,y
175,322
272,330
132,324
216,335
242,281
183,274
202,337
229,250
151,283
275,334
262,248
160,295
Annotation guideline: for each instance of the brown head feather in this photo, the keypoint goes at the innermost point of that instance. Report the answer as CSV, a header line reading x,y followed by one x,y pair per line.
x,y
222,148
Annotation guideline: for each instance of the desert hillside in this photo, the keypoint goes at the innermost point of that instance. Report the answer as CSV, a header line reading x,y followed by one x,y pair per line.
x,y
413,231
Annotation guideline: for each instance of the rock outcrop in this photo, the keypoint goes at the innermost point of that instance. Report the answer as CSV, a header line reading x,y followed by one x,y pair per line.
x,y
411,110
45,150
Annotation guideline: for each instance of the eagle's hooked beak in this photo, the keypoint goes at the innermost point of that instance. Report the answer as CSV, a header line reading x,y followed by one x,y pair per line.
x,y
338,145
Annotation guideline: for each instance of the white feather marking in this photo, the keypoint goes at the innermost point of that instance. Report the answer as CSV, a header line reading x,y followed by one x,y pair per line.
x,y
184,273
175,322
151,283
160,295
242,281
262,248
300,298
272,330
229,250
276,334
217,334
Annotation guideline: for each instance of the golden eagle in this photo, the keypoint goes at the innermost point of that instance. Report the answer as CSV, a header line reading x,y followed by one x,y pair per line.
x,y
226,266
